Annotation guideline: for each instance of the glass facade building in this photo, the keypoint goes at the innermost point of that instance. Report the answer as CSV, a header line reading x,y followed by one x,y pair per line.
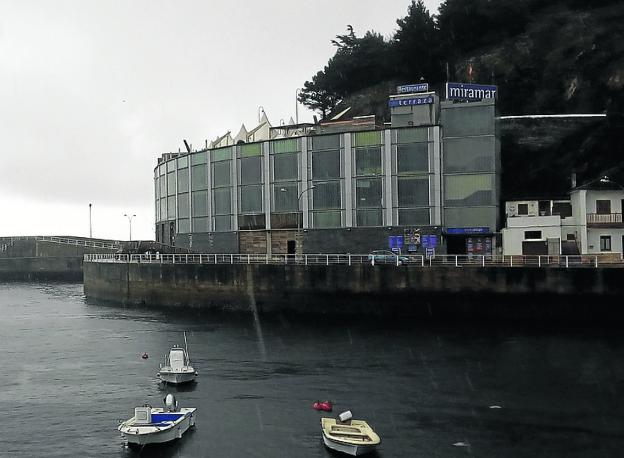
x,y
430,177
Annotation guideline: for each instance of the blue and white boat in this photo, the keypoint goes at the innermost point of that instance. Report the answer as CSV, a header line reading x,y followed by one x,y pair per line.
x,y
157,425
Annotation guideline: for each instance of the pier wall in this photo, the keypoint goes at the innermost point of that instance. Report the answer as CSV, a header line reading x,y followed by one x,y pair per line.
x,y
61,268
445,292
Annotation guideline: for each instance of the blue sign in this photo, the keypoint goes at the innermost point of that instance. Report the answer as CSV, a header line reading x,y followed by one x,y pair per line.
x,y
470,92
411,88
395,242
429,241
416,100
468,230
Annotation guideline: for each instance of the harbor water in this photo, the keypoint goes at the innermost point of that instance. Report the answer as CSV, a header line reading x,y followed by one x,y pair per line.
x,y
72,370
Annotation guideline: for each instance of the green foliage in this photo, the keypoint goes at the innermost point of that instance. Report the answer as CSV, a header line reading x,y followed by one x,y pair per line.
x,y
546,56
417,45
357,64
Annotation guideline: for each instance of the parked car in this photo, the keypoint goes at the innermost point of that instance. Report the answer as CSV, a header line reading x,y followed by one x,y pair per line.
x,y
386,257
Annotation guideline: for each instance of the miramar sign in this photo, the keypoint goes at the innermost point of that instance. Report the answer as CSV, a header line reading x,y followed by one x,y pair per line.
x,y
466,92
416,100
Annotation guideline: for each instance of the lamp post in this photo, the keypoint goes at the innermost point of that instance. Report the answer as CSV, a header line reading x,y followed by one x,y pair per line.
x,y
90,225
130,223
299,209
297,105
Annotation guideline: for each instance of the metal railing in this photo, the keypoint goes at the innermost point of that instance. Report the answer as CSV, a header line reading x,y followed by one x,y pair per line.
x,y
113,245
604,218
352,259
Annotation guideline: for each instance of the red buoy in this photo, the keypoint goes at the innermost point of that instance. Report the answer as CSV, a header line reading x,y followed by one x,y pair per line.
x,y
144,356
323,405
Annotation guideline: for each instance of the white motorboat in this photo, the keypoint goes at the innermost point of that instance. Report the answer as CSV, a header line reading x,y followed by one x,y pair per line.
x,y
177,368
353,437
157,425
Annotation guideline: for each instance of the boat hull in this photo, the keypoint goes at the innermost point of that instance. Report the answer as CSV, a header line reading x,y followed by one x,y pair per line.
x,y
148,434
349,449
177,378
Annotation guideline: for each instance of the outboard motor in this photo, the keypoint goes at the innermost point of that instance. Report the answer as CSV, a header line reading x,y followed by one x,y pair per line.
x,y
171,404
344,417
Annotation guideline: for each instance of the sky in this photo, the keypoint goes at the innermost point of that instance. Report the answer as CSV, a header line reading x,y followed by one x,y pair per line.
x,y
92,92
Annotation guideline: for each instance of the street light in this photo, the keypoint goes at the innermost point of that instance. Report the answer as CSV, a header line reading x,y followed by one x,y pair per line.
x,y
299,209
297,105
130,222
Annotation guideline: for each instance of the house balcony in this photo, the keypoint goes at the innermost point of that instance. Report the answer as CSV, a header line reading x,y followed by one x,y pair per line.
x,y
605,220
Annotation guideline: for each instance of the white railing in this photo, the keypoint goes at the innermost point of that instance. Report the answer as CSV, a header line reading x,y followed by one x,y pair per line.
x,y
112,245
606,218
352,259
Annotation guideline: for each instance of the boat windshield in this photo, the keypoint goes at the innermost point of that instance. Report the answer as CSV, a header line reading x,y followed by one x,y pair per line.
x,y
176,358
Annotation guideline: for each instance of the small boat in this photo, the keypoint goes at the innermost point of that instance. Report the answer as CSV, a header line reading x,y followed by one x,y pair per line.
x,y
177,368
323,405
353,437
157,425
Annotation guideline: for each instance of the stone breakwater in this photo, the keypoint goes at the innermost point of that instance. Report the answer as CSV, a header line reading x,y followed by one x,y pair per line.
x,y
447,293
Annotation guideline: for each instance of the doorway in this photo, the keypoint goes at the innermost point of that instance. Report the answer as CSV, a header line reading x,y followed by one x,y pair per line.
x,y
291,247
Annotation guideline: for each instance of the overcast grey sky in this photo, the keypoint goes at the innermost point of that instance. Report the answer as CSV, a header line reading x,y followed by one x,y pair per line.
x,y
93,91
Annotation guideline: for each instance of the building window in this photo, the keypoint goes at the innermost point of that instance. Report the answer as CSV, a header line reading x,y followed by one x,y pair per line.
x,y
532,235
605,243
603,207
523,209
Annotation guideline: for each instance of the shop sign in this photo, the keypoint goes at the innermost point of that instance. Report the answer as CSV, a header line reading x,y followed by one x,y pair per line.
x,y
411,88
465,92
467,230
412,101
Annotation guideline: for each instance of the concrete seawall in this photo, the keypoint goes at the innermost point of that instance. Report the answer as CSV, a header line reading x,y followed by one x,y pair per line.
x,y
363,289
61,268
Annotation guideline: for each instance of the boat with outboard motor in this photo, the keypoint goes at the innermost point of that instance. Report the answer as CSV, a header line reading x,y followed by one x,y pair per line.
x,y
157,425
353,437
177,368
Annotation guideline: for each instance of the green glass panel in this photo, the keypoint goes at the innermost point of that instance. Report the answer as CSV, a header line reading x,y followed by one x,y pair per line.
x,y
468,190
322,142
198,158
182,162
251,149
289,145
367,138
222,154
326,219
412,135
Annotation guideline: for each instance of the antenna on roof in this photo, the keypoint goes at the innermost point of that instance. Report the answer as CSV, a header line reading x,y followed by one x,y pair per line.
x,y
188,148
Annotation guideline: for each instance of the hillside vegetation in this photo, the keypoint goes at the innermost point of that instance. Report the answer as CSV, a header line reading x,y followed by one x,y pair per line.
x,y
547,57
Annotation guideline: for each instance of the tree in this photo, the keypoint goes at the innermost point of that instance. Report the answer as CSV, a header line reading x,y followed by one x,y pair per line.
x,y
358,63
417,45
315,95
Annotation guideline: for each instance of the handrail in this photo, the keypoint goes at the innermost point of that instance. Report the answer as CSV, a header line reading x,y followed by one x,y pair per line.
x,y
327,259
113,245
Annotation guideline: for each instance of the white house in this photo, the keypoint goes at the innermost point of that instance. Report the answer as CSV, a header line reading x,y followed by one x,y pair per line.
x,y
534,227
597,208
589,223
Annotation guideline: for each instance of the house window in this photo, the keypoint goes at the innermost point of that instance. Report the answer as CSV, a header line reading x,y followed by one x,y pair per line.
x,y
603,207
523,209
571,237
532,235
605,243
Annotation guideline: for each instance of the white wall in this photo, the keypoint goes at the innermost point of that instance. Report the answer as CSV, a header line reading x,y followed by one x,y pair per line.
x,y
614,196
513,234
593,238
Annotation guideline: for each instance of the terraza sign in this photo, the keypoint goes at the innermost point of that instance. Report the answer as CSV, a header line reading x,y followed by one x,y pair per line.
x,y
417,100
465,92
